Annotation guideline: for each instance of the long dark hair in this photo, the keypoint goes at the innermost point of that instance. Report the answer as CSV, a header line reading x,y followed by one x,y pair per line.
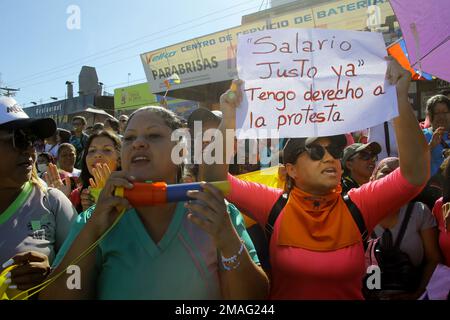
x,y
85,175
170,119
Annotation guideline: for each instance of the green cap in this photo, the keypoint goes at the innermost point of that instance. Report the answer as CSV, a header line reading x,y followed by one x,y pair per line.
x,y
351,150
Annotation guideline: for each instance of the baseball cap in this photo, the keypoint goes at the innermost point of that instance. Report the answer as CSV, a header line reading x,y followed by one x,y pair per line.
x,y
13,117
351,150
204,115
293,145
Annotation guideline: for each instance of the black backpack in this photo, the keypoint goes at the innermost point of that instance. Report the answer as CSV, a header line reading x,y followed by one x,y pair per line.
x,y
261,238
397,270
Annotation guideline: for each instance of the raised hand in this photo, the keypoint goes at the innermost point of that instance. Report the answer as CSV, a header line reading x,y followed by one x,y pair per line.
x,y
53,180
437,137
101,173
398,76
229,101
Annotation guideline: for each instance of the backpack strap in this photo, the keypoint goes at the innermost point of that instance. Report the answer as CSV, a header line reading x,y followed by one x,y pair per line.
x,y
274,213
359,220
405,221
387,140
84,139
53,145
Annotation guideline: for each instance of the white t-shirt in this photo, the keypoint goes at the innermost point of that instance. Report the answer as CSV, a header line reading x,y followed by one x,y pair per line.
x,y
75,173
421,218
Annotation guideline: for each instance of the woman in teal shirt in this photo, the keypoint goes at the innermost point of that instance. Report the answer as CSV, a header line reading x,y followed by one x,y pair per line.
x,y
159,252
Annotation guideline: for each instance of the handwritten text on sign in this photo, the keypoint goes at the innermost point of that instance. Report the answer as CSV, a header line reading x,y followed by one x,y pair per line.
x,y
312,82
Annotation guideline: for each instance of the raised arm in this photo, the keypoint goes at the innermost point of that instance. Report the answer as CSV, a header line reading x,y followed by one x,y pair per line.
x,y
229,101
377,199
412,146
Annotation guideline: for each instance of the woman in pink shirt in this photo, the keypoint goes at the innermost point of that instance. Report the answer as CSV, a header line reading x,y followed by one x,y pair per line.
x,y
316,249
441,212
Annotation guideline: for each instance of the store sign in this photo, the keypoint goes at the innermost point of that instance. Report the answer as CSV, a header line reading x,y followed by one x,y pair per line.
x,y
139,95
133,96
212,58
59,110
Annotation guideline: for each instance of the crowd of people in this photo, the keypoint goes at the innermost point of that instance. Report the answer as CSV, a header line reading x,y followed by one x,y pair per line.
x,y
332,204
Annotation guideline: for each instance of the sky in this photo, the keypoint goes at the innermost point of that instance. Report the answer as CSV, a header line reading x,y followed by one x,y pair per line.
x,y
44,44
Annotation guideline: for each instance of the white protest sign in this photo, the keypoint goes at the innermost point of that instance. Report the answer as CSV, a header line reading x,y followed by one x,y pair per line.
x,y
312,82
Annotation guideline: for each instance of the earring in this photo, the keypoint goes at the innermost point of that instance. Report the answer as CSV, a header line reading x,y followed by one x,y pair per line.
x,y
289,183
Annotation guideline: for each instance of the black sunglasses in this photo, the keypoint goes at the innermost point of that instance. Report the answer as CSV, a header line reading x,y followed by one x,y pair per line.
x,y
316,152
365,156
23,139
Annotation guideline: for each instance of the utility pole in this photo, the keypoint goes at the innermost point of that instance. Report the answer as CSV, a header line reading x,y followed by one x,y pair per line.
x,y
10,92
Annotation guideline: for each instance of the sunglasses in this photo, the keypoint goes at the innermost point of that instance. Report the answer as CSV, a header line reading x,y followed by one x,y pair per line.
x,y
22,139
316,152
365,156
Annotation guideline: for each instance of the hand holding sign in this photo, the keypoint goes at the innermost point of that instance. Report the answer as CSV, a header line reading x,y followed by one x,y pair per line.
x,y
312,82
229,101
398,76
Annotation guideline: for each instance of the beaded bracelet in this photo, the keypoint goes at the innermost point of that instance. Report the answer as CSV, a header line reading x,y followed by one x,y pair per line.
x,y
233,262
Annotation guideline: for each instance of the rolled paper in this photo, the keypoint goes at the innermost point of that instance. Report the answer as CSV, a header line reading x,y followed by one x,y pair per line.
x,y
223,186
148,194
144,193
177,192
231,95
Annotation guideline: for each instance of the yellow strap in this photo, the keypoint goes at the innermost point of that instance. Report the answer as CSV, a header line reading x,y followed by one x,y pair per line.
x,y
5,291
49,281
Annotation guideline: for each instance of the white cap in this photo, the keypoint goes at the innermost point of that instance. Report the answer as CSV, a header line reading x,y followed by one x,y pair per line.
x,y
12,116
10,110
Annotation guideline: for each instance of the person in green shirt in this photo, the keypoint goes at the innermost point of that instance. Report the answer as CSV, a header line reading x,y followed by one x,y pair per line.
x,y
34,219
180,250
